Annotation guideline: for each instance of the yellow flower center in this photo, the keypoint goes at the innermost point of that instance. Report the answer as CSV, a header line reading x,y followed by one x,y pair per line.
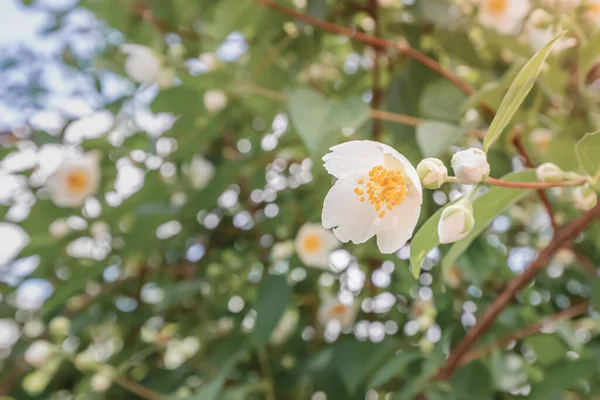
x,y
338,310
385,189
311,243
77,181
497,6
594,9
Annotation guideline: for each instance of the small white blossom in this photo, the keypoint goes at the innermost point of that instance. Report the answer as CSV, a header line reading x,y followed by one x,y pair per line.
x,y
101,381
504,16
332,309
432,172
143,64
282,250
215,100
75,180
378,192
585,198
38,353
313,245
285,327
541,138
470,166
456,223
548,172
200,171
540,31
210,60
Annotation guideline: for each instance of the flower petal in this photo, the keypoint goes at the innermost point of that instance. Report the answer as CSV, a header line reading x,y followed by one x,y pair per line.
x,y
357,156
398,225
351,219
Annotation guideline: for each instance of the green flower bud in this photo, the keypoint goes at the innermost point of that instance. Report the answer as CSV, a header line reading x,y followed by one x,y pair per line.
x,y
548,172
456,222
432,173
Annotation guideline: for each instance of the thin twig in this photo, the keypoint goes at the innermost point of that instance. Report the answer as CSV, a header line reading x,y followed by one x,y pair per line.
x,y
534,328
586,262
138,389
563,237
377,42
517,142
147,14
265,368
533,185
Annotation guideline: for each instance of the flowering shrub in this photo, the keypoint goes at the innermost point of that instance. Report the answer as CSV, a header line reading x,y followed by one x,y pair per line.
x,y
301,199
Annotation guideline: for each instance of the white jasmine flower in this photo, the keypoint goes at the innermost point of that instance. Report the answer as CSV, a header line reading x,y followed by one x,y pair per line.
x,y
332,309
74,181
215,100
470,166
313,245
378,192
592,11
541,138
38,353
432,172
142,64
548,172
200,171
59,228
456,223
285,327
504,16
585,198
540,31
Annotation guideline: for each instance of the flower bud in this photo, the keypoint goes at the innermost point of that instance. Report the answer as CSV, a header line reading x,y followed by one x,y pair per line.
x,y
548,172
101,382
470,166
215,100
432,173
84,361
60,326
585,198
456,223
38,353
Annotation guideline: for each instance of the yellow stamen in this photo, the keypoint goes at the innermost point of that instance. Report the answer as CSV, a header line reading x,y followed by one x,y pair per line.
x,y
77,181
338,310
497,6
312,243
386,188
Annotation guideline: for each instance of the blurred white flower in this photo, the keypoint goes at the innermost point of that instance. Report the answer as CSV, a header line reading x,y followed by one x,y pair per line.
x,y
38,353
541,138
470,166
585,197
210,60
563,5
9,333
200,171
504,16
548,172
75,180
313,245
332,309
592,11
60,326
59,228
84,361
33,328
432,172
456,223
142,65
378,192
285,327
102,381
215,100
282,250
540,31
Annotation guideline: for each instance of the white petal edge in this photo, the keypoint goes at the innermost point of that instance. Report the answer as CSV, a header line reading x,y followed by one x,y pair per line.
x,y
357,156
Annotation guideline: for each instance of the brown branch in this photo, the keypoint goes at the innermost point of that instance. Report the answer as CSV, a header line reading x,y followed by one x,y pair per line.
x,y
377,42
533,185
138,389
562,237
147,15
516,140
588,265
534,328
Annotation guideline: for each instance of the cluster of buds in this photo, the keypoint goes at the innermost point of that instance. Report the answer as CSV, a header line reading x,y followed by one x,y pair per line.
x,y
584,196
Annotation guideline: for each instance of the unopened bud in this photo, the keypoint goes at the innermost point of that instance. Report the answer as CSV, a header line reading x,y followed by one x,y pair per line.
x,y
585,198
432,173
456,223
38,353
215,100
470,166
548,172
60,326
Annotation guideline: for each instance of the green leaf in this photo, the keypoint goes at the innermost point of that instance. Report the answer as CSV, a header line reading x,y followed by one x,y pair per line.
x,y
561,377
442,100
435,137
588,55
473,381
393,367
273,298
596,294
317,120
547,347
517,92
587,149
486,207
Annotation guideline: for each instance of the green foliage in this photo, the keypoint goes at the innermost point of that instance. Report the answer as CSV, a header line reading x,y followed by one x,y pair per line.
x,y
587,151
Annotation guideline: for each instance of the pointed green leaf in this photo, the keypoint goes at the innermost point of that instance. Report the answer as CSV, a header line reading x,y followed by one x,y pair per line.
x,y
435,137
561,377
273,298
517,92
587,149
487,207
